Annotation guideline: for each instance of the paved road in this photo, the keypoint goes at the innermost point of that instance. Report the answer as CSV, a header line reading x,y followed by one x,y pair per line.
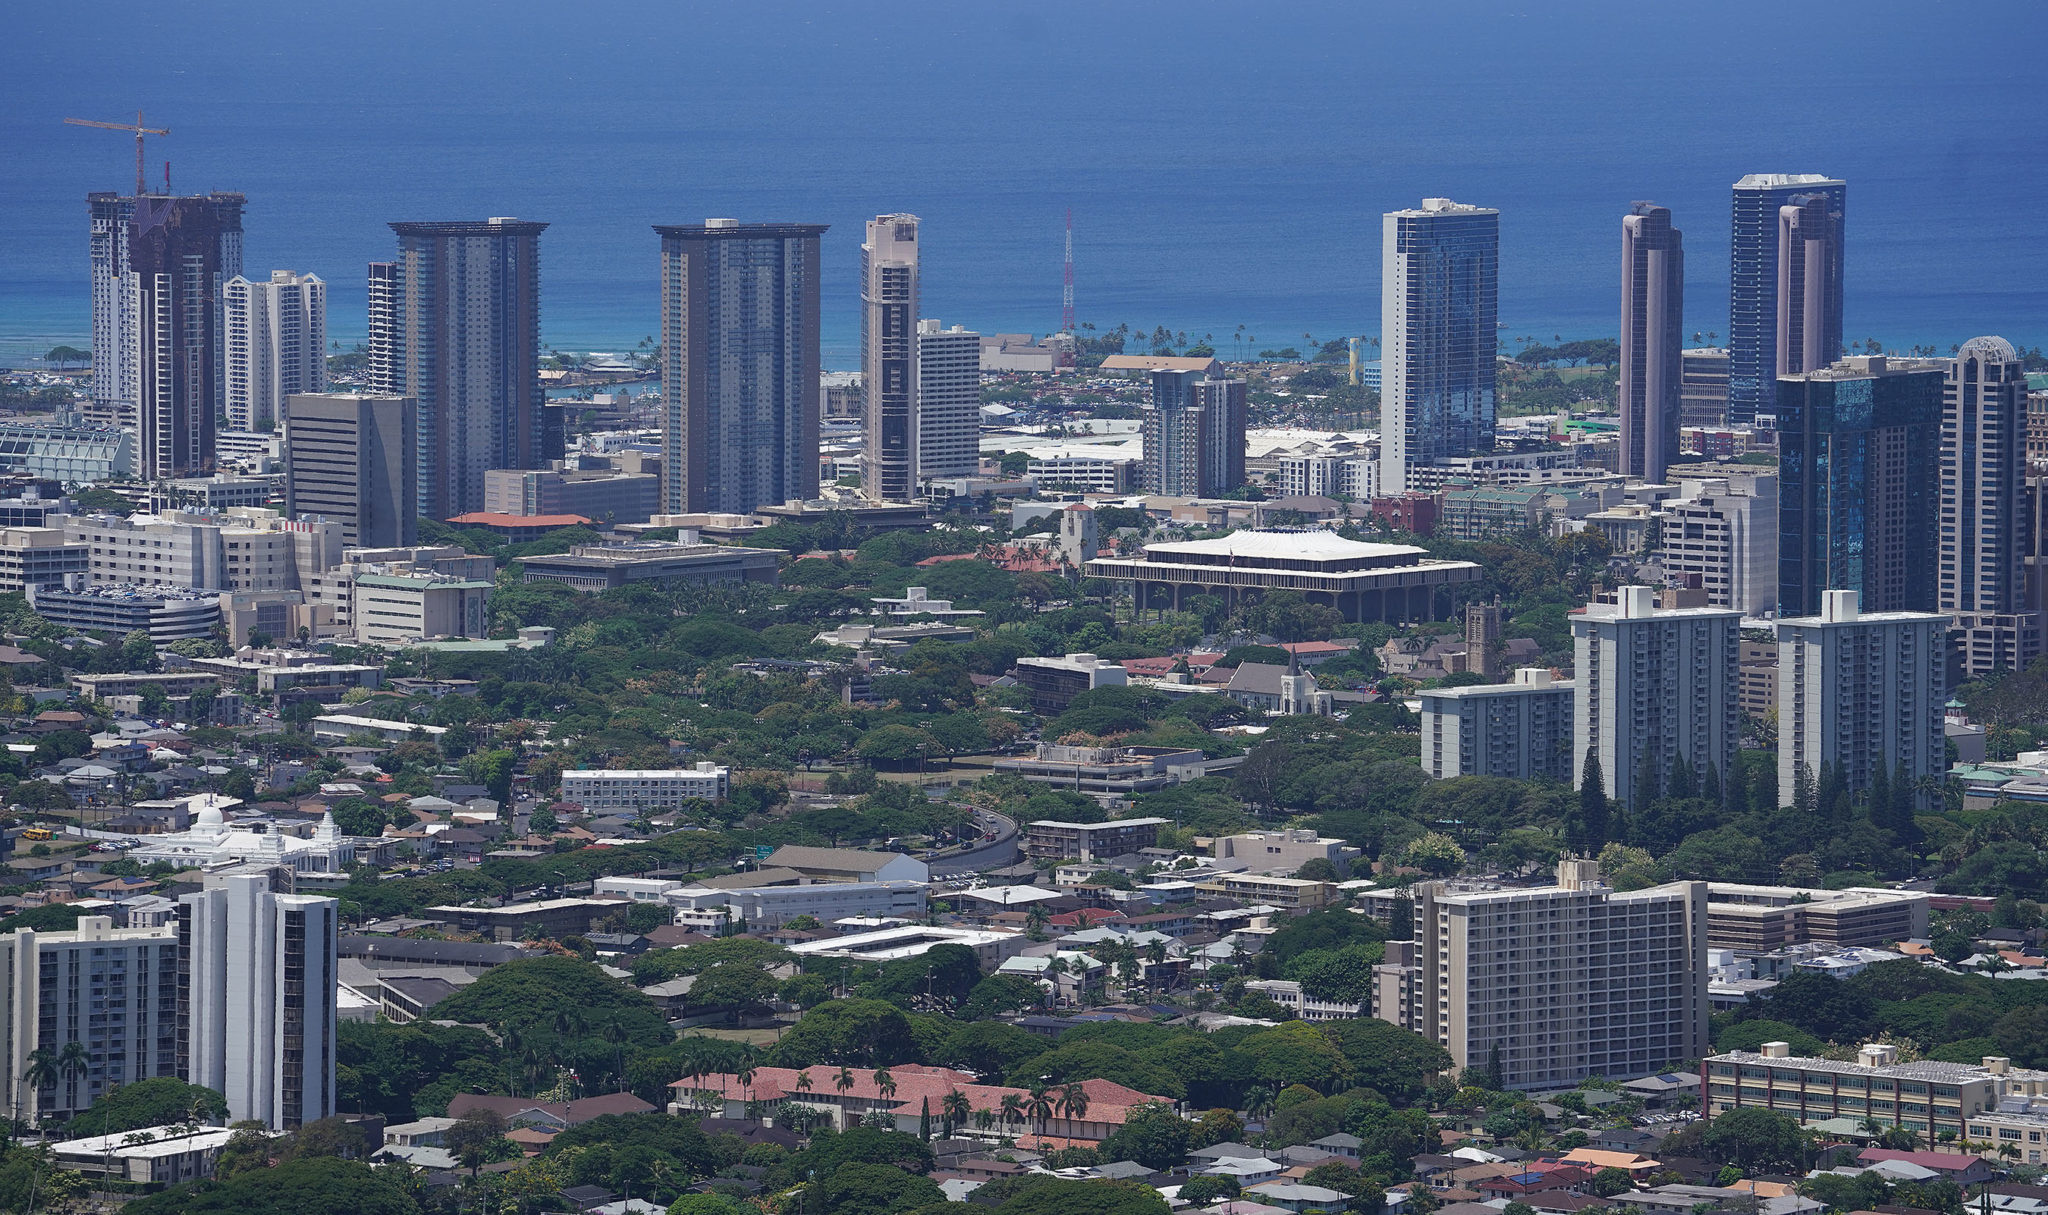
x,y
995,854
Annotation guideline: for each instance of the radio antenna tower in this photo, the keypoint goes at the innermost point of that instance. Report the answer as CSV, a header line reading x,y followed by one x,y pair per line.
x,y
1067,291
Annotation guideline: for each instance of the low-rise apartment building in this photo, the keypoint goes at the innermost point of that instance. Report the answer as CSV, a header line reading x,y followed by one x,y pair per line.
x,y
629,790
1521,729
1054,840
1052,683
1294,894
1288,994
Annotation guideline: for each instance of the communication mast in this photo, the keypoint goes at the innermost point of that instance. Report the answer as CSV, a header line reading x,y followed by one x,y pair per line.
x,y
1067,294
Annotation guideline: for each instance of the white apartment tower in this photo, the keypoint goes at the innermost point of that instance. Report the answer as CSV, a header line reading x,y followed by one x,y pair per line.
x,y
1439,301
276,345
888,358
1655,684
948,401
1858,690
1982,571
113,991
1560,983
1521,729
1725,531
260,999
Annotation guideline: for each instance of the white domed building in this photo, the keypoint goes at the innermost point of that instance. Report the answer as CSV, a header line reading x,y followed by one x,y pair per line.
x,y
213,840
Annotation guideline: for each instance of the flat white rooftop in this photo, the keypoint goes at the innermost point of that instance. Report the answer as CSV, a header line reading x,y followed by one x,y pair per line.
x,y
1301,545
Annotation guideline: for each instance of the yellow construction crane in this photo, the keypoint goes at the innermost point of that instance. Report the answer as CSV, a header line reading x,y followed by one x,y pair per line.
x,y
136,127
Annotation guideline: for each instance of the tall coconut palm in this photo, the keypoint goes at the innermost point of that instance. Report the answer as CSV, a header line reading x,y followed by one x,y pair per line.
x,y
955,1109
803,1081
844,1080
1013,1108
1039,1106
73,1062
984,1118
885,1083
1073,1101
41,1073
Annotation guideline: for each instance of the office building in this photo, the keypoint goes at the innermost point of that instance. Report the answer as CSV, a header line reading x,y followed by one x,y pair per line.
x,y
594,568
381,373
1929,1098
1703,387
1284,851
1053,840
1858,691
1559,983
1723,533
1652,335
1655,685
259,990
1172,428
1521,729
762,908
1439,304
166,613
1809,284
114,991
1753,305
402,608
1859,484
1764,918
604,496
948,401
350,461
1391,582
40,556
889,359
464,315
739,331
1053,683
1982,580
276,345
618,790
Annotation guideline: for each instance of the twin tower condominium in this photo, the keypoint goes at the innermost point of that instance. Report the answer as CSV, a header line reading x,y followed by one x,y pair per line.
x,y
237,993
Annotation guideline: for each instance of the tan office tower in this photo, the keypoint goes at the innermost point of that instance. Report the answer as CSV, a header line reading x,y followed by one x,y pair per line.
x,y
350,460
948,401
466,298
1809,284
739,365
1552,985
1652,336
1981,580
888,358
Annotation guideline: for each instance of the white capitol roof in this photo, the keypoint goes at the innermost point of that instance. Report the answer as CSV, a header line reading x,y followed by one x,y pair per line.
x,y
1308,545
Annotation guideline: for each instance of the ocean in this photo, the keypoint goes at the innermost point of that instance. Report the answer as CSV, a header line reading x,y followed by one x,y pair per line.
x,y
1226,164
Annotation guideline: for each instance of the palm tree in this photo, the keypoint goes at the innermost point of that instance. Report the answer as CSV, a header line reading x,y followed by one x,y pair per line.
x,y
40,1074
1155,953
1013,1108
1074,1101
1258,1102
844,1080
745,1075
984,1118
884,1082
615,1033
2009,1151
1870,1126
954,1108
803,1081
73,1062
1039,1106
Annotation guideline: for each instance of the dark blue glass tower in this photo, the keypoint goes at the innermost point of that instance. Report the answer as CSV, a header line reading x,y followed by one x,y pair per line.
x,y
1753,283
1859,490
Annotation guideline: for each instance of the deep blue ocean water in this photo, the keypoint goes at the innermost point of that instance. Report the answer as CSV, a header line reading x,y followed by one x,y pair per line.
x,y
1226,164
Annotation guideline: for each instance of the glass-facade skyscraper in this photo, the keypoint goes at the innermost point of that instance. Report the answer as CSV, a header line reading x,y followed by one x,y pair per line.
x,y
1753,285
1439,305
1859,496
739,370
1652,324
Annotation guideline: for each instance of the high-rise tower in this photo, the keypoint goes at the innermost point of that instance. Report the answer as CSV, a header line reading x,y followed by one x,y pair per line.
x,y
948,401
1439,300
159,264
1652,338
888,358
466,301
276,345
1809,283
1753,283
739,341
1983,513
